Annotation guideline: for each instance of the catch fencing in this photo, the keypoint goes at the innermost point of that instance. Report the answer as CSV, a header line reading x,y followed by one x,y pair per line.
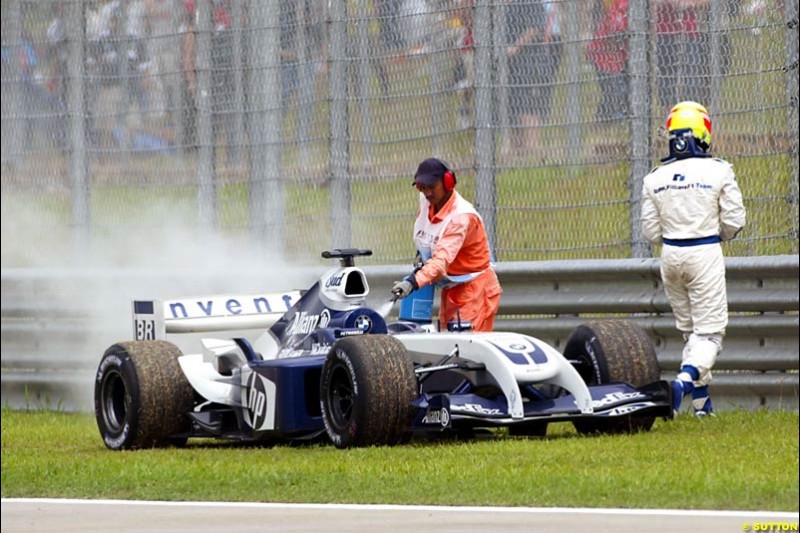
x,y
56,323
296,125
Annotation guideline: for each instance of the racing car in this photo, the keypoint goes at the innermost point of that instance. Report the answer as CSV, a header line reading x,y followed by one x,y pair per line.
x,y
320,364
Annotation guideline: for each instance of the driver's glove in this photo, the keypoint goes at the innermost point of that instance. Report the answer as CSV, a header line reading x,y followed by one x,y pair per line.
x,y
403,288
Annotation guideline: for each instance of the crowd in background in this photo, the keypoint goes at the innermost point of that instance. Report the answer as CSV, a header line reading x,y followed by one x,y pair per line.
x,y
140,60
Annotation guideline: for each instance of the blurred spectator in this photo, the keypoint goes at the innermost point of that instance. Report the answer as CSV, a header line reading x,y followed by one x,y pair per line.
x,y
116,57
416,24
222,79
289,44
134,33
608,53
19,64
57,53
164,18
681,52
303,58
298,16
388,17
534,53
188,113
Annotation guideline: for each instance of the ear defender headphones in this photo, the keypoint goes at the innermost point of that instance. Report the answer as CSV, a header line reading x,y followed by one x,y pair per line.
x,y
449,180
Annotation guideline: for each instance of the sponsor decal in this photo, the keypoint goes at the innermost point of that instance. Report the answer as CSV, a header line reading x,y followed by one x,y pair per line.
x,y
595,363
317,348
341,354
348,332
107,362
475,408
425,239
229,306
324,318
615,397
145,329
627,409
256,400
521,351
117,442
675,187
363,322
302,323
437,417
334,281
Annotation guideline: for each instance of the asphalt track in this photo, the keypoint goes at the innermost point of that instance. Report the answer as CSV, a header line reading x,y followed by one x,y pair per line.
x,y
117,516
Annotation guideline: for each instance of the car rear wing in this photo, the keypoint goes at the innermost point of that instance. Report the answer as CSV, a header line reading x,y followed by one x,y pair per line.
x,y
155,319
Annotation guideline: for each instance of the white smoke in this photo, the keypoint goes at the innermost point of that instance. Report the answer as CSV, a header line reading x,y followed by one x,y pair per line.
x,y
156,256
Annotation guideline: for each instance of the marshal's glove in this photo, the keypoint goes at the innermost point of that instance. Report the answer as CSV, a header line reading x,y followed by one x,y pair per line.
x,y
418,262
401,289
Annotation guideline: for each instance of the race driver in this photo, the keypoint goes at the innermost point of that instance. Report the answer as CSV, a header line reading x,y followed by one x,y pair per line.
x,y
450,236
690,204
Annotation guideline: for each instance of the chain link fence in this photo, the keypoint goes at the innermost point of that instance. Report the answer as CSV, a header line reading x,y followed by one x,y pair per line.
x,y
293,126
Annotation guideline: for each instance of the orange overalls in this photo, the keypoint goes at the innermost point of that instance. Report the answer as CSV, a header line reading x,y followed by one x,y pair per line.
x,y
455,248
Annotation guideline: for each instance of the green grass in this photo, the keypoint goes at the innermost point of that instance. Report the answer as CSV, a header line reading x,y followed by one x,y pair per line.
x,y
543,213
740,460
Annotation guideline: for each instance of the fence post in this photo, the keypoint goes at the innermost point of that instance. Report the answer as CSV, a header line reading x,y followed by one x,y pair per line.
x,y
715,29
235,154
339,142
266,195
791,110
501,82
485,187
571,39
364,83
307,75
181,103
639,112
206,187
14,110
124,74
78,168
435,42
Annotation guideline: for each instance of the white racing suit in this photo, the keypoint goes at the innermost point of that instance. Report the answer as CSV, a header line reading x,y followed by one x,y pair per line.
x,y
690,205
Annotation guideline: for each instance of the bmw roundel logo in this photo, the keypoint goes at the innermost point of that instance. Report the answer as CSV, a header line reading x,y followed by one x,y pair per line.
x,y
364,323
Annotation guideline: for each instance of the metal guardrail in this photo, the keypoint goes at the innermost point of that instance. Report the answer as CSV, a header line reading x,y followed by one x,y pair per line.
x,y
56,323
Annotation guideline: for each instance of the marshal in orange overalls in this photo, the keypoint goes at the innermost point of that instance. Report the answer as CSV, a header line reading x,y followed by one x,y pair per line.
x,y
455,247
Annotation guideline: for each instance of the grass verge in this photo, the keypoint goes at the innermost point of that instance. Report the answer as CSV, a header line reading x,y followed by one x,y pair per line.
x,y
740,460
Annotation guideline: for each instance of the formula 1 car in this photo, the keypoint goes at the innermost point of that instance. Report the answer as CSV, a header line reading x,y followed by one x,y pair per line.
x,y
318,364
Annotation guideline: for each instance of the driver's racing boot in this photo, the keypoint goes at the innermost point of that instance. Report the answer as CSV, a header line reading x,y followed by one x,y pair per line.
x,y
682,385
701,402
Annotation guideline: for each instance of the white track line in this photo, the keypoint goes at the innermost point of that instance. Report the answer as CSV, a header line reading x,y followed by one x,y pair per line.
x,y
427,508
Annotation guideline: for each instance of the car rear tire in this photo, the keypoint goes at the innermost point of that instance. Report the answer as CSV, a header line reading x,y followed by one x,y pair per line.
x,y
611,351
366,389
141,397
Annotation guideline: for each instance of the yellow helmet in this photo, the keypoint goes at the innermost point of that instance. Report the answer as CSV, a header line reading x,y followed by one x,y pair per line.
x,y
691,115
